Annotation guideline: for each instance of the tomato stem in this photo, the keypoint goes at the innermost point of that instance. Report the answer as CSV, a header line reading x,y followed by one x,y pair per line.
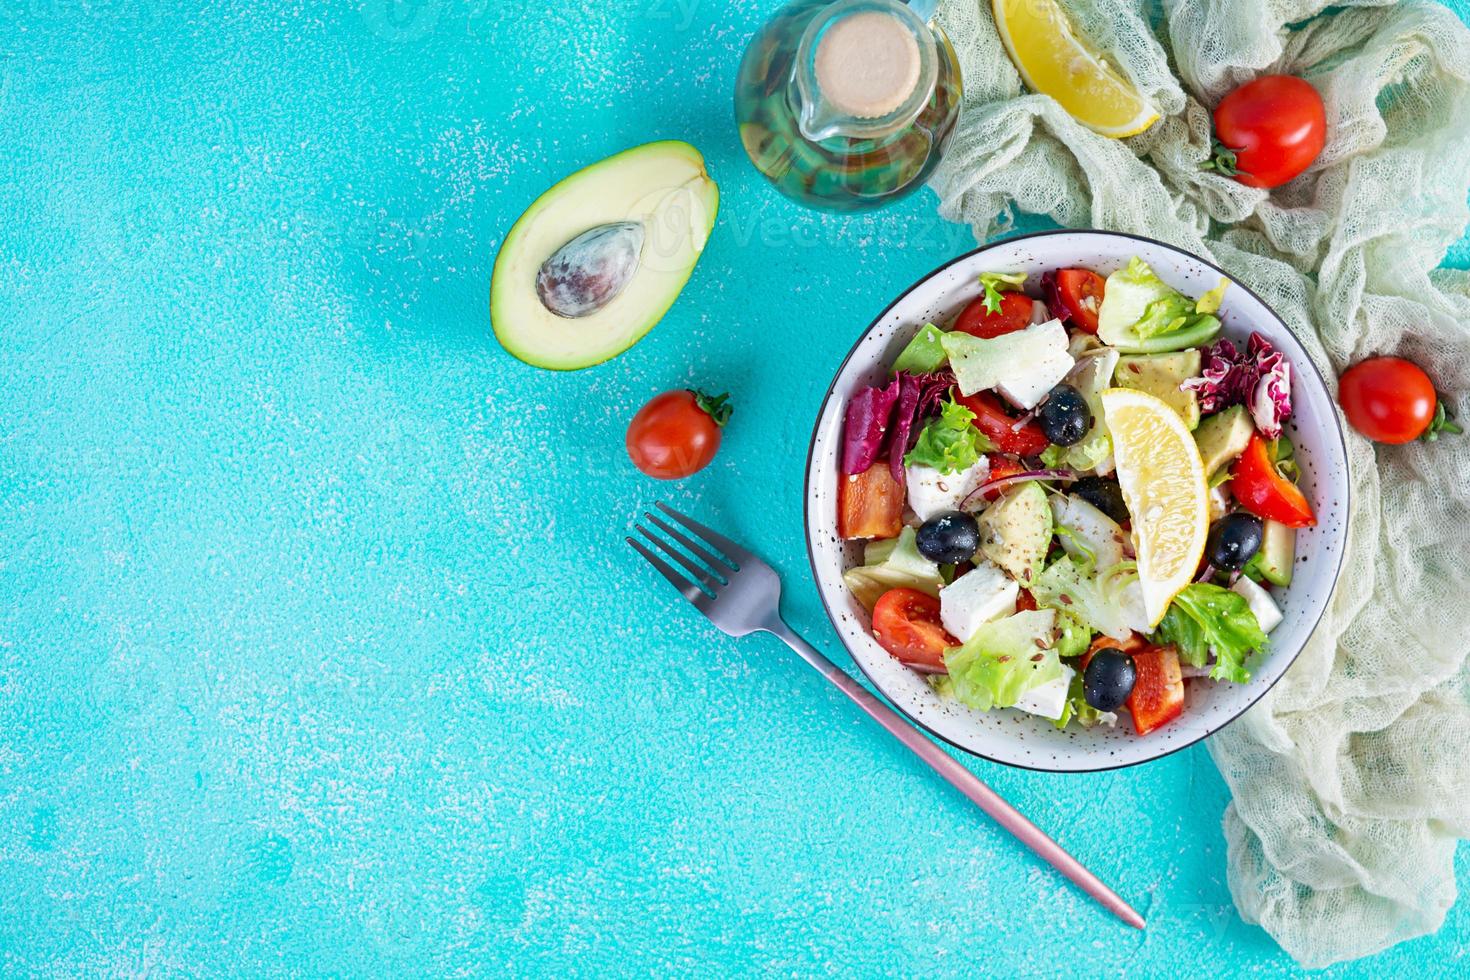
x,y
717,407
1222,160
1442,423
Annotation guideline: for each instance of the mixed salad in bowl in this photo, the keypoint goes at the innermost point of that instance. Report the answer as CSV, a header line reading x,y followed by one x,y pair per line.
x,y
1075,497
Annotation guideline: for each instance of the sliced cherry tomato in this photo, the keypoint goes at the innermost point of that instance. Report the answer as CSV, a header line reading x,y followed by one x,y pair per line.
x,y
999,426
1264,492
1158,690
677,433
1025,601
1076,294
906,624
1388,399
870,503
1014,314
1269,130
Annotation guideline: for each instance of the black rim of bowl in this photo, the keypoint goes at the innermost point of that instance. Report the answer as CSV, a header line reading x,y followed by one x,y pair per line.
x,y
822,412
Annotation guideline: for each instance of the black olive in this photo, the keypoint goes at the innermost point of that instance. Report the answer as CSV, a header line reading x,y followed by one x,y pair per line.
x,y
949,538
1233,541
1103,494
1064,417
1108,679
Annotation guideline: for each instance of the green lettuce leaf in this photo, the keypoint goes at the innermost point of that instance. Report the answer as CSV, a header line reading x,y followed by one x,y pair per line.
x,y
1141,312
949,443
1210,302
1070,586
1164,316
995,283
1205,618
1073,636
893,563
1004,659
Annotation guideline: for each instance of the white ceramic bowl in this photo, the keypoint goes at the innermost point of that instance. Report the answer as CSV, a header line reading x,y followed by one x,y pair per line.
x,y
1012,736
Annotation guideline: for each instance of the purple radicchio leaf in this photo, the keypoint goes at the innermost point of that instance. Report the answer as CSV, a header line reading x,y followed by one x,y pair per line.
x,y
868,415
1224,379
1258,378
919,396
1270,400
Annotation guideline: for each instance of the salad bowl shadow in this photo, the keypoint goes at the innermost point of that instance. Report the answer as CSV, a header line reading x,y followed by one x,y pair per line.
x,y
1010,736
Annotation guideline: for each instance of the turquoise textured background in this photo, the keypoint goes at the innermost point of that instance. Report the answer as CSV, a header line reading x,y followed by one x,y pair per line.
x,y
320,651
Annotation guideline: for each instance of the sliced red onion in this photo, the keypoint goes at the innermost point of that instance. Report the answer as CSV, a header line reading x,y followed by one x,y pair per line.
x,y
1062,476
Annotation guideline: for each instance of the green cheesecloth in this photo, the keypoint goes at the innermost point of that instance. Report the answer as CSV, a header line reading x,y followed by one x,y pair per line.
x,y
1351,779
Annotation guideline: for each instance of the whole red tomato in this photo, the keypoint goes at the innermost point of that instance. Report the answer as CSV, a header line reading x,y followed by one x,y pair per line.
x,y
1268,131
1389,399
677,433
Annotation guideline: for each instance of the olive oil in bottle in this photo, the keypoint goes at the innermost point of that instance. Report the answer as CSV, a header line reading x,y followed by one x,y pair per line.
x,y
847,106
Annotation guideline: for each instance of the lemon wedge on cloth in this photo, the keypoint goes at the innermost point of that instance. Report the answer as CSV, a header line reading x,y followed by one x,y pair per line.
x,y
1163,483
1054,61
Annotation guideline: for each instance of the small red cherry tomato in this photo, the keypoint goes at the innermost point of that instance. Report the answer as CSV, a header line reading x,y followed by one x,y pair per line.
x,y
1269,130
1388,399
1014,314
999,426
906,624
677,433
1263,491
1076,295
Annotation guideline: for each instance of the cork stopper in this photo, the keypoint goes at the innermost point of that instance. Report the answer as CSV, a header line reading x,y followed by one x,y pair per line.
x,y
867,64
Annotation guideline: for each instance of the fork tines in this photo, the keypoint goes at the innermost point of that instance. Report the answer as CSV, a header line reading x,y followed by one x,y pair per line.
x,y
708,560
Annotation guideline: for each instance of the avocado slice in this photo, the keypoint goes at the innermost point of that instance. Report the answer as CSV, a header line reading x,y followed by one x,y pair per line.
x,y
599,258
1223,437
924,354
1016,531
1277,554
1160,375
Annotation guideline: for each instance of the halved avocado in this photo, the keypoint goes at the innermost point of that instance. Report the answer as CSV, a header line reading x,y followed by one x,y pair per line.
x,y
599,258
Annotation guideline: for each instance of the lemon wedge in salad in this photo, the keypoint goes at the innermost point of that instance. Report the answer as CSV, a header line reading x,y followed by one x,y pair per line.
x,y
1163,483
1054,61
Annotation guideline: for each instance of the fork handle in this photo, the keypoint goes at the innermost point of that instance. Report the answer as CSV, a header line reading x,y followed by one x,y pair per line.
x,y
987,799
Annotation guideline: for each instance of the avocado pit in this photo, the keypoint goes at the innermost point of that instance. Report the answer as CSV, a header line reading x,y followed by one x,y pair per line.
x,y
589,272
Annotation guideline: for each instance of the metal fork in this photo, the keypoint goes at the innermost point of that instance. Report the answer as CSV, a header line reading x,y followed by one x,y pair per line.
x,y
742,595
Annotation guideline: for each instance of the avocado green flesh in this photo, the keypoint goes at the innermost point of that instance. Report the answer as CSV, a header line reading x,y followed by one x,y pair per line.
x,y
924,354
661,187
1223,437
1160,375
1016,531
1278,553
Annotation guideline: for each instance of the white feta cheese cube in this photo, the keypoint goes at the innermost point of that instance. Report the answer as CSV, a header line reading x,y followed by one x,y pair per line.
x,y
1033,379
1050,699
1022,365
1260,602
932,493
976,597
